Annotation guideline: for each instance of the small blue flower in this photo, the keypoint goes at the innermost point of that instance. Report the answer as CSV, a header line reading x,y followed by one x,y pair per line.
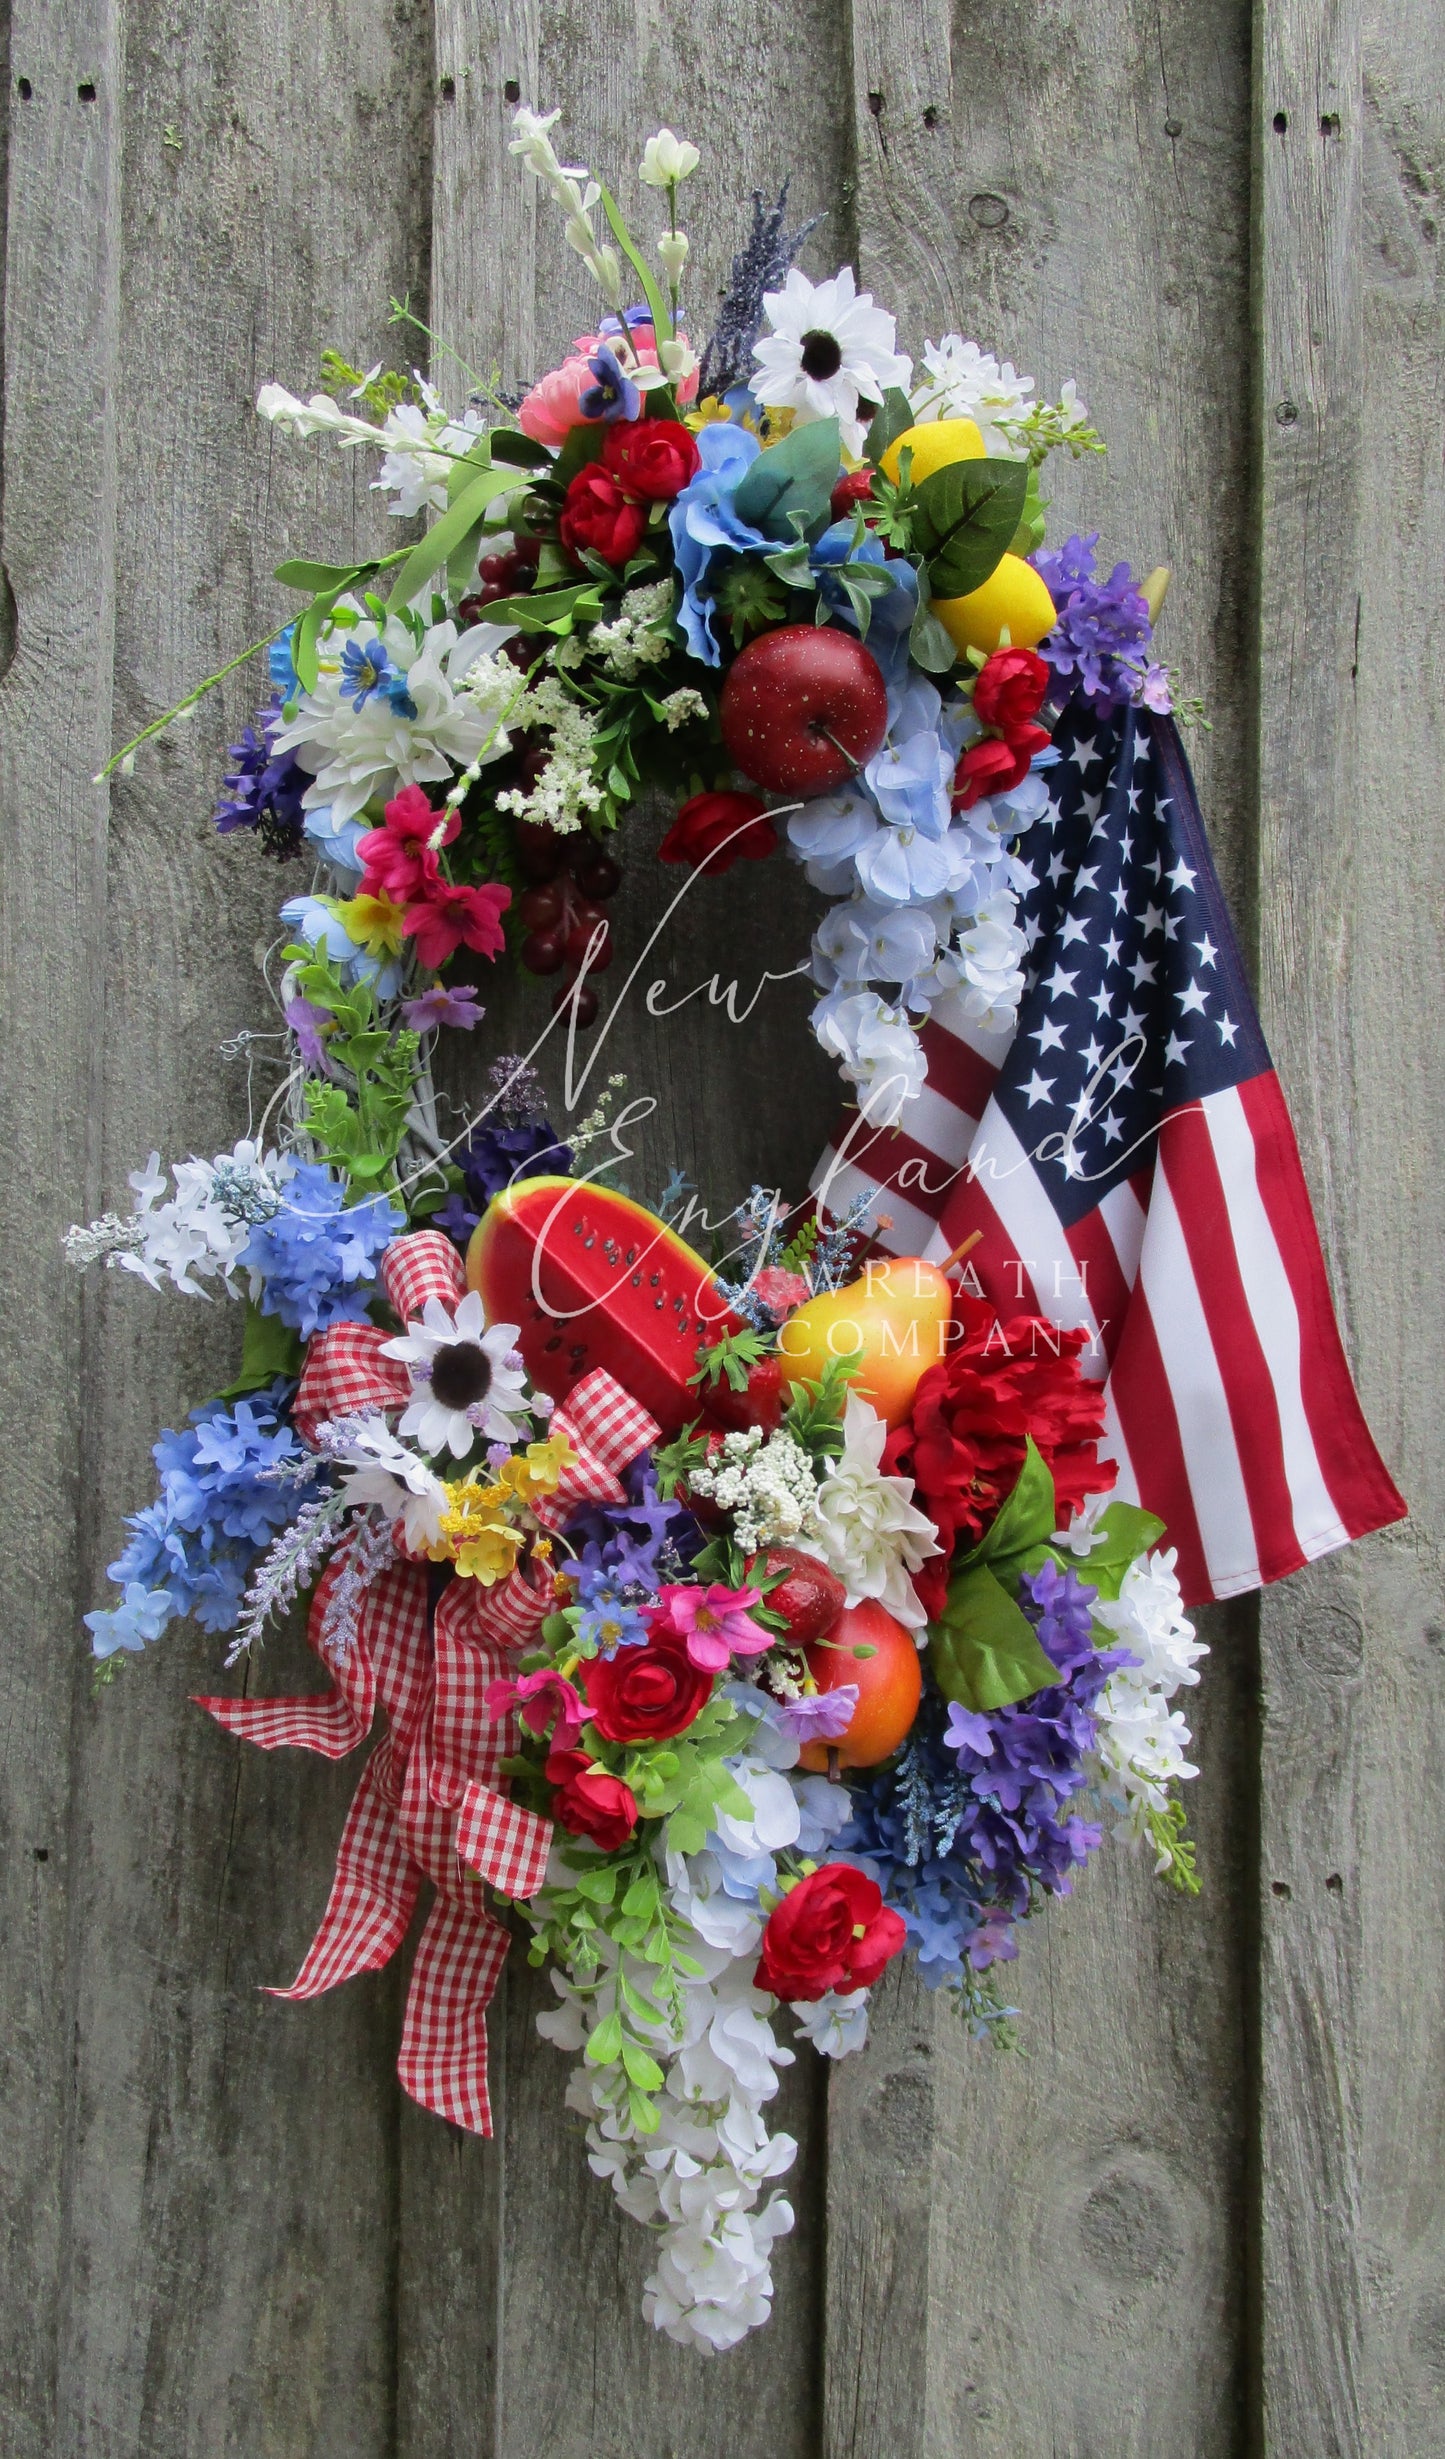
x,y
318,1257
613,396
609,1619
140,1617
321,927
284,678
364,671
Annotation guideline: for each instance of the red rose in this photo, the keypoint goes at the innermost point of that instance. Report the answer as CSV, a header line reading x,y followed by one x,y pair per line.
x,y
597,514
1010,688
831,1931
652,457
963,1445
589,1802
645,1694
995,764
726,825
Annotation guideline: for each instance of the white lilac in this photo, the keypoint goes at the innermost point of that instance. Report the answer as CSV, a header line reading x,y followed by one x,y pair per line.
x,y
638,634
768,1484
197,1232
1142,1741
869,1530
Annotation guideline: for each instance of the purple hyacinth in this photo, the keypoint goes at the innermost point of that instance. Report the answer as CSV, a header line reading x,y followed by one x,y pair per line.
x,y
263,789
1096,647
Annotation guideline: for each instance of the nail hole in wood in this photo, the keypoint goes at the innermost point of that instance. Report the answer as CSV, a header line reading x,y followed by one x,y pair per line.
x,y
875,105
1330,124
42,1852
1286,412
988,211
448,87
1281,122
24,88
930,117
1174,128
86,92
1334,1884
511,91
1278,1887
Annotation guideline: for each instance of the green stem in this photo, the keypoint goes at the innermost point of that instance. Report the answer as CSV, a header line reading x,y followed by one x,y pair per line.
x,y
401,314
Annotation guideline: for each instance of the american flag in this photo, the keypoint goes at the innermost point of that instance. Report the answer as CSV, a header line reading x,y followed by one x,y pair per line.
x,y
1128,1158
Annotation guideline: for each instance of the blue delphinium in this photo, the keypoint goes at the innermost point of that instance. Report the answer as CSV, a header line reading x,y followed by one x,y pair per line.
x,y
318,1256
1103,627
263,788
515,1141
973,1822
192,1550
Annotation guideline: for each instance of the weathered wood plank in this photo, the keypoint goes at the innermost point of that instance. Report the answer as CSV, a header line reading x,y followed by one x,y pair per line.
x,y
56,619
1351,114
1071,189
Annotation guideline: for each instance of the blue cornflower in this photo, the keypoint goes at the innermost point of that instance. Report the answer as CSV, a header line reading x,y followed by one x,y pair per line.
x,y
614,395
364,671
610,1619
318,1256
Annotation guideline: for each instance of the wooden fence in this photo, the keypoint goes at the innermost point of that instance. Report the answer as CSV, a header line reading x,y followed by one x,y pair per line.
x,y
1204,2213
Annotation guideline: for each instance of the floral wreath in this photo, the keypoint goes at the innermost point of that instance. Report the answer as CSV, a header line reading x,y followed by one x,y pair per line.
x,y
738,1623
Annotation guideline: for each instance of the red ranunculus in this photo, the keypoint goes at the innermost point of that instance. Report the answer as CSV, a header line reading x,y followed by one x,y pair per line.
x,y
831,1931
597,514
651,457
1010,688
399,858
645,1694
589,1802
447,917
964,1443
718,830
995,764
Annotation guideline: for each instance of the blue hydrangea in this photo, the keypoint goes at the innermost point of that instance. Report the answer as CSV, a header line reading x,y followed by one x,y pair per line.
x,y
318,1256
192,1550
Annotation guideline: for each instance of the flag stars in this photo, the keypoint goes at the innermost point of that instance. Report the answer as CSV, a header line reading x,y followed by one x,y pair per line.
x,y
1038,1088
1084,754
1181,876
1205,950
1153,919
1075,927
1102,1002
1191,1000
1140,972
1174,1051
1227,1030
1057,868
1112,1127
1113,948
1060,984
1171,925
1048,1035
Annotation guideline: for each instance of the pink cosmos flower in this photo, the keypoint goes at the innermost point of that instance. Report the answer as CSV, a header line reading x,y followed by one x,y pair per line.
x,y
537,1697
713,1622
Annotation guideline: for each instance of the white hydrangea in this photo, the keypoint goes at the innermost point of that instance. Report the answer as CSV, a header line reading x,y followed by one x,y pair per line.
x,y
962,381
876,1048
869,1530
1142,1741
196,1233
357,755
767,1483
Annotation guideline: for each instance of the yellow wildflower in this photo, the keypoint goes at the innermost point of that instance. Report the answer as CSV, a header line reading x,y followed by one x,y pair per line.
x,y
374,923
489,1555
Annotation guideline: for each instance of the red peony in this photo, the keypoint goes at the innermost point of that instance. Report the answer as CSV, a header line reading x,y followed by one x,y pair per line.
x,y
964,1444
651,457
1010,688
737,823
831,1931
598,515
446,918
645,1694
995,764
589,1802
400,856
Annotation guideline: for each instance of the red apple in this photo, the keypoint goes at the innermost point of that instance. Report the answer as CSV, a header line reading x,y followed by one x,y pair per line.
x,y
802,708
808,1595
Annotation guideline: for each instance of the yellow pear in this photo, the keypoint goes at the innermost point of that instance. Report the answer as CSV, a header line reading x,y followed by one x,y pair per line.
x,y
1012,600
933,445
897,1316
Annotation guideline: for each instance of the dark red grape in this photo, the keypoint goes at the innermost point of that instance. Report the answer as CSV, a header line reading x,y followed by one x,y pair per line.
x,y
597,875
539,850
583,1001
540,907
542,951
579,940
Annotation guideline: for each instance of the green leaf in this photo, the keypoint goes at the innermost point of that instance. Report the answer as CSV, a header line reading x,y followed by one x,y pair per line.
x,y
963,518
1027,1518
1128,1532
929,645
522,451
888,423
433,550
644,2113
269,1348
641,2069
1029,536
584,443
599,1886
641,1896
605,2045
306,637
548,610
318,578
461,472
984,1649
794,478
661,320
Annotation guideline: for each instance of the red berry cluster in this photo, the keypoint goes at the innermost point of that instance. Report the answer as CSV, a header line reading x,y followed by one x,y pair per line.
x,y
563,908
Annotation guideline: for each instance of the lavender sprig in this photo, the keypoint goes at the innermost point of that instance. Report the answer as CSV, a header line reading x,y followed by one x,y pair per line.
x,y
292,1563
761,265
369,1553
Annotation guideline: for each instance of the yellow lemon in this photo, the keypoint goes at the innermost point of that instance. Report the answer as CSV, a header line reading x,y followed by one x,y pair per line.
x,y
1013,599
933,446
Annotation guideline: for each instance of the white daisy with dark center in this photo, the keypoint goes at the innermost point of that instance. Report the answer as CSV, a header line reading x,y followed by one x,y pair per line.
x,y
829,349
466,1377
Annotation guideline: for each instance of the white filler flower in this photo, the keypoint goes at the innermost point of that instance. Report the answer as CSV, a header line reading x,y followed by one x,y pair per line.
x,y
829,349
466,1377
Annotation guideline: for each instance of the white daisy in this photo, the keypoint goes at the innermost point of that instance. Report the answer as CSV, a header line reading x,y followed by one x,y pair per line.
x,y
829,348
381,1470
466,1377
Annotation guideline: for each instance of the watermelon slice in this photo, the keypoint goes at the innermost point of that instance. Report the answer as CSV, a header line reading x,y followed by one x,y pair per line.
x,y
596,1280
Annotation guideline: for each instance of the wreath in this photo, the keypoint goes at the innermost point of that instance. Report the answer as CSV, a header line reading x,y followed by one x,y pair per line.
x,y
738,1623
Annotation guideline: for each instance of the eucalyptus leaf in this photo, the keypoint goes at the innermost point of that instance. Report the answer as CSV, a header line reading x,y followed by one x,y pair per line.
x,y
983,1648
796,477
963,518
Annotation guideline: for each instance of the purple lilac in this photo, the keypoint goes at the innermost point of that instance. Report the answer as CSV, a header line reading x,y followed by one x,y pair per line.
x,y
1102,629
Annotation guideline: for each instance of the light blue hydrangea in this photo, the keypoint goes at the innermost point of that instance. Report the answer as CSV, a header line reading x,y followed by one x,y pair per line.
x,y
318,1257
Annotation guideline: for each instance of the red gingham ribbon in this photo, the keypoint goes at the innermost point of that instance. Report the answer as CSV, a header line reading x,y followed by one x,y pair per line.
x,y
430,1802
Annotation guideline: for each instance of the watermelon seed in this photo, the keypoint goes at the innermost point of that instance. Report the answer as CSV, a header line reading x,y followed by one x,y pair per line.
x,y
631,1256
